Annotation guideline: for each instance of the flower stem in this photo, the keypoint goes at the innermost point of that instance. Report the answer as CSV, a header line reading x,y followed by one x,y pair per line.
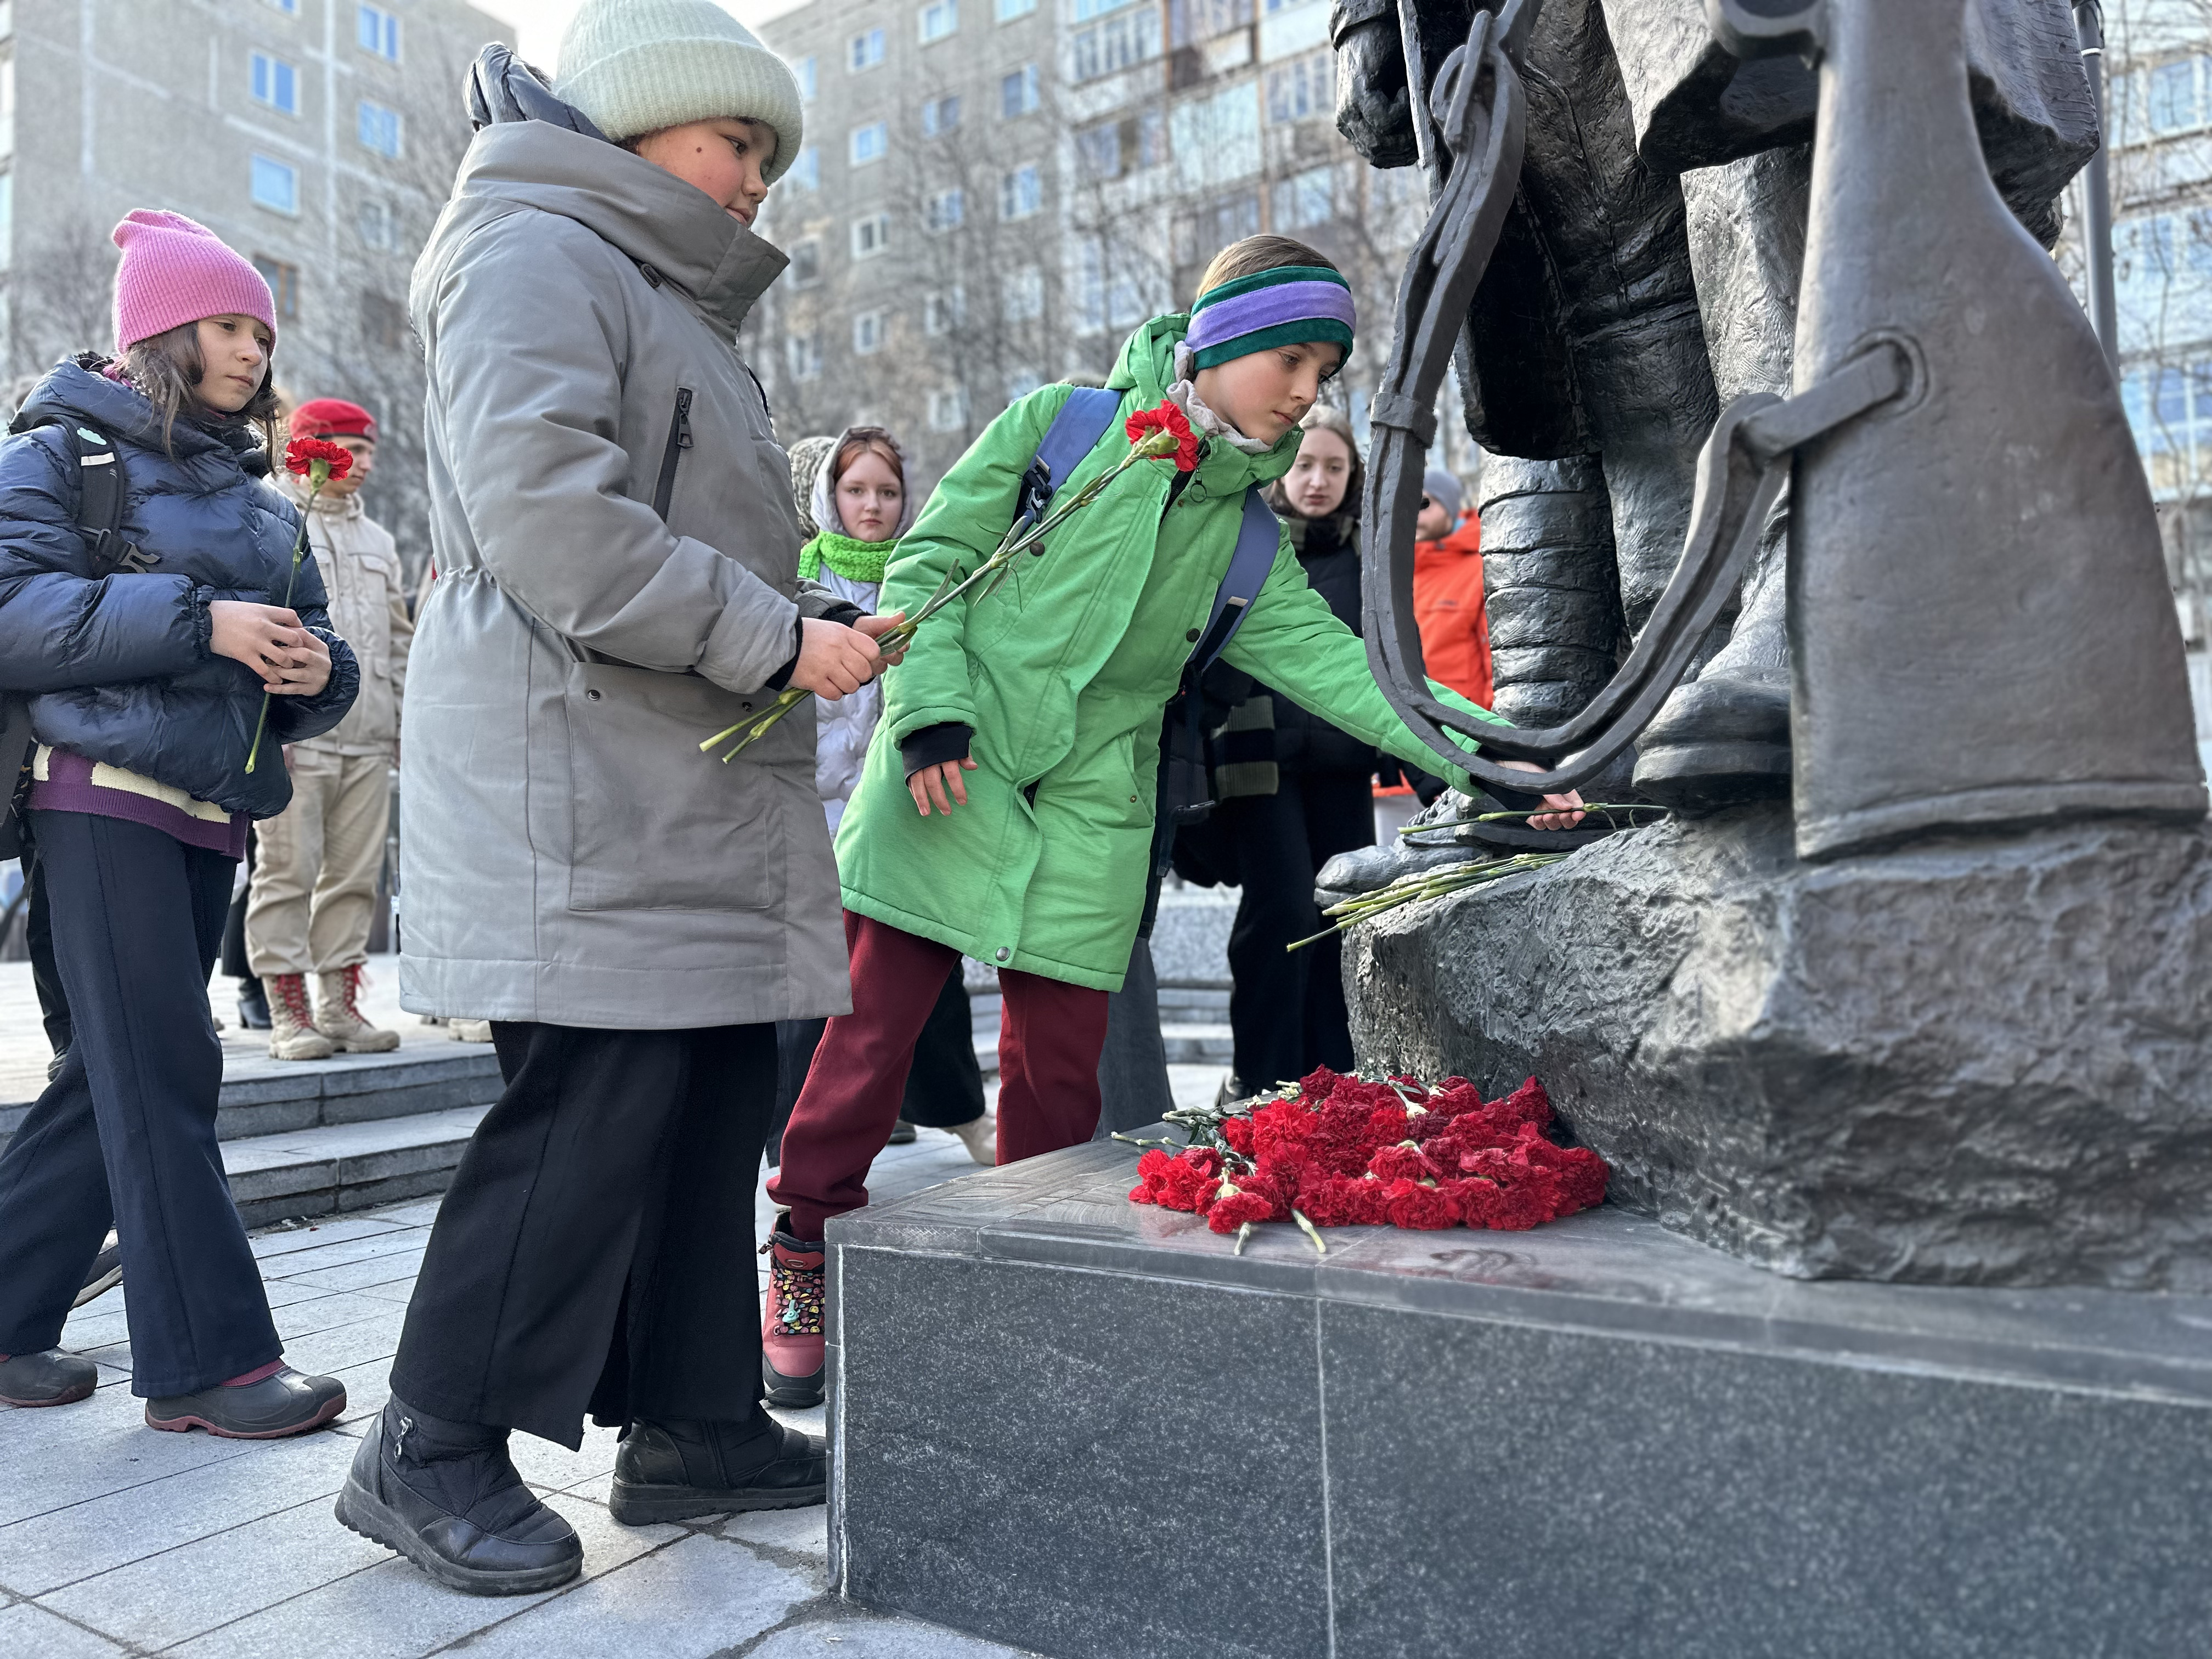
x,y
299,552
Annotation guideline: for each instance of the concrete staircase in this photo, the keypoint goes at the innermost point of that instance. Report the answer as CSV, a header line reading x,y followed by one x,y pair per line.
x,y
1194,1023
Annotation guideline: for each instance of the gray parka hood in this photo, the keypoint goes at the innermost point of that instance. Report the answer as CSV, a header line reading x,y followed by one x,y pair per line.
x,y
672,231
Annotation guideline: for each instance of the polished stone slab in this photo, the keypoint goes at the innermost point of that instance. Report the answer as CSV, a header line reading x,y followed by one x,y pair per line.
x,y
1087,1427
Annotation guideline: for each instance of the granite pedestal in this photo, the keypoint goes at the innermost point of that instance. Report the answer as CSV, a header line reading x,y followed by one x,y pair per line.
x,y
1086,1428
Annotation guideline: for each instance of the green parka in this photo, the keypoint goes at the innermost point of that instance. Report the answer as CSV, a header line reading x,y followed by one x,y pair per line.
x,y
1063,673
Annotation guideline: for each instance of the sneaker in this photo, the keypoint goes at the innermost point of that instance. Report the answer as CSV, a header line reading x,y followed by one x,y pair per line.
x,y
337,1015
446,1496
283,1402
51,1378
107,1272
292,1033
675,1470
902,1134
252,1005
791,1331
980,1136
469,1031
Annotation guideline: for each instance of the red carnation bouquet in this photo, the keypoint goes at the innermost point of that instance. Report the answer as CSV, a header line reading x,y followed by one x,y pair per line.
x,y
1155,434
1344,1153
318,460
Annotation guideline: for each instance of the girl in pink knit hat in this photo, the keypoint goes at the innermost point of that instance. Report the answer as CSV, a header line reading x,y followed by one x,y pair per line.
x,y
139,646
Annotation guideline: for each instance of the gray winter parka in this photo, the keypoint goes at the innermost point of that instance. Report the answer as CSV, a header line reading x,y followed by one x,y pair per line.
x,y
616,551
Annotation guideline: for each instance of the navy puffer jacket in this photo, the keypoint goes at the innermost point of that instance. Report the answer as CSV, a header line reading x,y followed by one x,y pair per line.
x,y
120,664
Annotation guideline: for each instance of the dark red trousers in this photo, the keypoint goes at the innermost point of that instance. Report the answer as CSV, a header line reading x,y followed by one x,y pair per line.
x,y
1050,1035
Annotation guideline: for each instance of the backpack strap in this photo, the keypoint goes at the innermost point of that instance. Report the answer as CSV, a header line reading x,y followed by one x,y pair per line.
x,y
1258,538
1073,433
100,496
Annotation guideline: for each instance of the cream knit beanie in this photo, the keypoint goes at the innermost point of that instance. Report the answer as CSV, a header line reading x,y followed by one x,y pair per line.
x,y
635,66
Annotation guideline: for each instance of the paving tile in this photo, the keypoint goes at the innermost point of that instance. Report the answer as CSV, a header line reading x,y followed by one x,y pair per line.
x,y
802,1532
397,1265
847,1634
394,1611
420,1213
698,1596
67,1455
326,1312
178,1595
367,1386
308,1250
557,1468
361,1341
96,1536
34,1633
289,1241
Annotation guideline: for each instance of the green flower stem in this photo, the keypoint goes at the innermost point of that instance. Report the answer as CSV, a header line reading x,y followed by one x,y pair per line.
x,y
320,472
1014,544
1425,885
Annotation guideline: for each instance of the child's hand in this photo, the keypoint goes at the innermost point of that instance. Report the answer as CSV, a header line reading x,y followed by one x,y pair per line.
x,y
305,679
1570,805
834,660
875,626
932,782
269,640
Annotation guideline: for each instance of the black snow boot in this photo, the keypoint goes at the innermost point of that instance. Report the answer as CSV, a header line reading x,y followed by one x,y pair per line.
x,y
677,1469
445,1495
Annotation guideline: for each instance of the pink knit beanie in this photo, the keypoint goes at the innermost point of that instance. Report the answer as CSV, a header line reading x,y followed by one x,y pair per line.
x,y
176,270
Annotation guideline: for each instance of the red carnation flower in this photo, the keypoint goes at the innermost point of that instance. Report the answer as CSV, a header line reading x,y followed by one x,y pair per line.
x,y
1427,1209
1228,1214
302,454
1170,421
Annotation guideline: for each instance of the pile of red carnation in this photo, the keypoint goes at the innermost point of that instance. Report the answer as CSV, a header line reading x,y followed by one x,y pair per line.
x,y
1341,1152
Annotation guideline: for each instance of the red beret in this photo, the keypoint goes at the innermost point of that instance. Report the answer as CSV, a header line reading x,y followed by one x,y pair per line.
x,y
332,417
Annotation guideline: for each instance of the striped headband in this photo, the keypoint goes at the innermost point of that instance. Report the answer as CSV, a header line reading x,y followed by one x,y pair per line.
x,y
1290,304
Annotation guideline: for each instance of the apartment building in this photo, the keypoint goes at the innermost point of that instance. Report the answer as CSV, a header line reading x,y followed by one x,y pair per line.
x,y
994,191
317,137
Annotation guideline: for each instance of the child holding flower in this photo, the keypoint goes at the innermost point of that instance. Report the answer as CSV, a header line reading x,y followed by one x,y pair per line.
x,y
1006,809
149,653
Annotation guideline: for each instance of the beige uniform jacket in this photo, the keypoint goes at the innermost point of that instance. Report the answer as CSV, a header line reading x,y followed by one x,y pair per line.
x,y
368,610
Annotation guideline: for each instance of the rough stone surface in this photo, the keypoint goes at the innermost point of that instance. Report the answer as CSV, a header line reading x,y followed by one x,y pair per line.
x,y
1595,1439
1974,1062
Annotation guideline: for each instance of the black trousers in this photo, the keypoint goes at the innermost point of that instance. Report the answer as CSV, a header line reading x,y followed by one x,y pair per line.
x,y
1286,1010
944,1086
124,1136
595,1251
1133,1068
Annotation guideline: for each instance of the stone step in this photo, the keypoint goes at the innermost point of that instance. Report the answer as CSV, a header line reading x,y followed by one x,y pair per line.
x,y
1198,1044
340,1167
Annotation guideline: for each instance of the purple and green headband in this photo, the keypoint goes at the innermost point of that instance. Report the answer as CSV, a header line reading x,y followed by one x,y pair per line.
x,y
1290,304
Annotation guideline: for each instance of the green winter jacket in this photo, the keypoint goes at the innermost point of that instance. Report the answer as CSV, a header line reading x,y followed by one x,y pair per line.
x,y
1063,674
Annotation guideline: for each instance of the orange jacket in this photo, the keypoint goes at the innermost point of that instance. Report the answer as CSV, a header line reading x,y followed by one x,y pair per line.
x,y
1448,607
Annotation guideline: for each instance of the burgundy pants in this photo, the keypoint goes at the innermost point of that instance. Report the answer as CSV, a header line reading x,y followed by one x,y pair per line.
x,y
1049,1039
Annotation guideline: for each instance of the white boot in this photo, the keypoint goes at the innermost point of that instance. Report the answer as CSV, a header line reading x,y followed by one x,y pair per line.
x,y
981,1137
337,1015
292,1033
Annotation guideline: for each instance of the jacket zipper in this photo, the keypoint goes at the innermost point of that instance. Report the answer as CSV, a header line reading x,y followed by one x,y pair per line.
x,y
679,440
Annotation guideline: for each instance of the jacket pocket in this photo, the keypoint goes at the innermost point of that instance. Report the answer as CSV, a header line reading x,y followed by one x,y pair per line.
x,y
656,825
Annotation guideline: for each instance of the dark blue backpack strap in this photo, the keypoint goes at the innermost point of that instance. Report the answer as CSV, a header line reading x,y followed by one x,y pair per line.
x,y
1258,539
1073,433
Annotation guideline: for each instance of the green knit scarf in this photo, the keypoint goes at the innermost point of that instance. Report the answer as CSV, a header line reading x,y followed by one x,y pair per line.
x,y
856,562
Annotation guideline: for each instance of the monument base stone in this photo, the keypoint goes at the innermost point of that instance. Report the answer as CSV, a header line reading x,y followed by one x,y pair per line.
x,y
1086,1428
1974,1061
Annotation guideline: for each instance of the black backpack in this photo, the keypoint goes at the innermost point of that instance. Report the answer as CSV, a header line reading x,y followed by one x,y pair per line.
x,y
100,517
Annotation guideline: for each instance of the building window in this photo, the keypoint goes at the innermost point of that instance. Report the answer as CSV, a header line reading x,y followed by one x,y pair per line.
x,y
948,410
871,235
1122,40
1019,193
290,7
868,332
276,186
1021,382
942,312
1235,219
1021,294
275,83
945,210
937,20
1305,198
1010,9
1018,92
1151,139
283,282
866,51
802,354
803,71
1302,88
869,143
1099,150
378,31
374,221
1087,9
940,116
7,220
383,322
806,170
806,262
377,127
